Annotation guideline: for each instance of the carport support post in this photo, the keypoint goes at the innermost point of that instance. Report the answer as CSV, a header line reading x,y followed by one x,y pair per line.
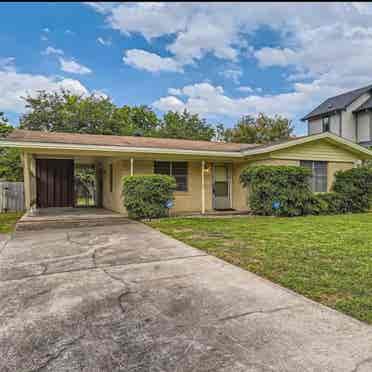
x,y
27,179
203,188
131,166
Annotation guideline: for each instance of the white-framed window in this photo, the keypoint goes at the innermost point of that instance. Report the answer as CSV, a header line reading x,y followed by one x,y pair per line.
x,y
319,178
177,169
325,124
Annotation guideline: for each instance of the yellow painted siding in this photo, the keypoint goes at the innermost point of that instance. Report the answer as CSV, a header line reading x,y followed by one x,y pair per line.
x,y
333,167
188,201
321,150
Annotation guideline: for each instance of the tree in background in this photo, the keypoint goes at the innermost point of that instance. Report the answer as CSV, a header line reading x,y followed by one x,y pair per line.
x,y
263,129
186,126
10,159
67,112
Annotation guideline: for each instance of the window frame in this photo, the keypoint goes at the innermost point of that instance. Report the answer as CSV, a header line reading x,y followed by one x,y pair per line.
x,y
317,179
171,173
326,123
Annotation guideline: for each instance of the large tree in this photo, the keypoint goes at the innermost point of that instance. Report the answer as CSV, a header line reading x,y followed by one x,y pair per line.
x,y
67,112
186,126
263,129
10,159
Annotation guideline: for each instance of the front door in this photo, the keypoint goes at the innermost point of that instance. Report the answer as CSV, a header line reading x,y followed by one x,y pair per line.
x,y
221,187
54,183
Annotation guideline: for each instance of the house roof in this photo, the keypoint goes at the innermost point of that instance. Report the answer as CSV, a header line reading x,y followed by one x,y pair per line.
x,y
337,103
124,141
25,139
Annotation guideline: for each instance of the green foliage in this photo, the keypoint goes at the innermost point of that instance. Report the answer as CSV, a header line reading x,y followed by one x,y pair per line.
x,y
67,112
327,203
186,126
355,187
146,196
263,129
10,159
286,186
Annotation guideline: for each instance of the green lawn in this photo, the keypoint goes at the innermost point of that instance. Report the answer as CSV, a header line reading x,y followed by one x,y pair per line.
x,y
7,221
326,258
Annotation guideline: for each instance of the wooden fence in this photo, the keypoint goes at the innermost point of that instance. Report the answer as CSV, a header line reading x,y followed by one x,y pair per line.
x,y
11,197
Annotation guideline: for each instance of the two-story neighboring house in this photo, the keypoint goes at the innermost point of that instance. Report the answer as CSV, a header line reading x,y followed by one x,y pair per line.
x,y
348,115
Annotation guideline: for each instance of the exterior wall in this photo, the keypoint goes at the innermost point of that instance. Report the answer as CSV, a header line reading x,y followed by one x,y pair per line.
x,y
185,201
320,150
348,118
332,168
364,127
334,122
315,126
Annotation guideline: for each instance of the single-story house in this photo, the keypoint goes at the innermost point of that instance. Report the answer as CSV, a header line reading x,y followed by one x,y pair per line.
x,y
207,173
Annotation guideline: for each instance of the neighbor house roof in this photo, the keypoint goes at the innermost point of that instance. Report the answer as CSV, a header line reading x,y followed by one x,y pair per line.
x,y
25,139
337,103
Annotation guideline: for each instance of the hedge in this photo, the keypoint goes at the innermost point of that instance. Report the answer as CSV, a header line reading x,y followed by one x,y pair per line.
x,y
285,191
278,190
148,196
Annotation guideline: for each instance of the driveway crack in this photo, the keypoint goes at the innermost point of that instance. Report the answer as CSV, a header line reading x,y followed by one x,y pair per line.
x,y
56,355
270,311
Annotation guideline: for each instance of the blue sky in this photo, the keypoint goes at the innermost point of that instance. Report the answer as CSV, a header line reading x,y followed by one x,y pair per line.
x,y
217,59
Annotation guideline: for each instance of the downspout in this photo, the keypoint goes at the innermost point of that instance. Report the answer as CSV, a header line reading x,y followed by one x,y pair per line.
x,y
370,125
340,132
356,128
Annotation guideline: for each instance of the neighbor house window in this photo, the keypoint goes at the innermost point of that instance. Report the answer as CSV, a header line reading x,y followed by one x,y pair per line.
x,y
177,169
325,124
318,180
111,177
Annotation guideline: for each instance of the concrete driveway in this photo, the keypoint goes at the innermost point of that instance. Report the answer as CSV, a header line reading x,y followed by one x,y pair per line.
x,y
127,298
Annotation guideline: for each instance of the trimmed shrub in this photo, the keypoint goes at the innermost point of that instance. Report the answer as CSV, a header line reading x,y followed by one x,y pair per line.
x,y
147,196
278,190
328,203
355,187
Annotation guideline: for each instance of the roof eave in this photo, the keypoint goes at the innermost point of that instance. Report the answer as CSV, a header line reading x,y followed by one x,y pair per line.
x,y
118,149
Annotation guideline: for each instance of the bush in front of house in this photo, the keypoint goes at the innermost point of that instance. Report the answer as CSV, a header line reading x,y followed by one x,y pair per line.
x,y
147,196
278,190
355,187
285,191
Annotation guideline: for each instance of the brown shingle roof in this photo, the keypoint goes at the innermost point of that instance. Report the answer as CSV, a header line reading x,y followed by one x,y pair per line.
x,y
125,141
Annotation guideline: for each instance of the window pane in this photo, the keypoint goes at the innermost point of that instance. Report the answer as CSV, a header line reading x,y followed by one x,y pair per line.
x,y
318,181
162,167
179,171
179,168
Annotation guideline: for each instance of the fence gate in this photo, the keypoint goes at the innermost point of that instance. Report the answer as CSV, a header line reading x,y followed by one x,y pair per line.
x,y
12,197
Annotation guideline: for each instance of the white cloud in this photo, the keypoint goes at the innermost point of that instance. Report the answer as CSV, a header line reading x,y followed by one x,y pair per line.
x,y
15,85
46,30
152,62
69,32
103,41
327,45
71,66
245,89
209,100
50,51
232,74
7,64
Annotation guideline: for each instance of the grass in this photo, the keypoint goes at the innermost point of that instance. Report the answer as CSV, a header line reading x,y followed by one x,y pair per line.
x,y
7,221
326,258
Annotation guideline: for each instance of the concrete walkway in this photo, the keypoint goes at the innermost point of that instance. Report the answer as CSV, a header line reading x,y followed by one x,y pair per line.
x,y
127,298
